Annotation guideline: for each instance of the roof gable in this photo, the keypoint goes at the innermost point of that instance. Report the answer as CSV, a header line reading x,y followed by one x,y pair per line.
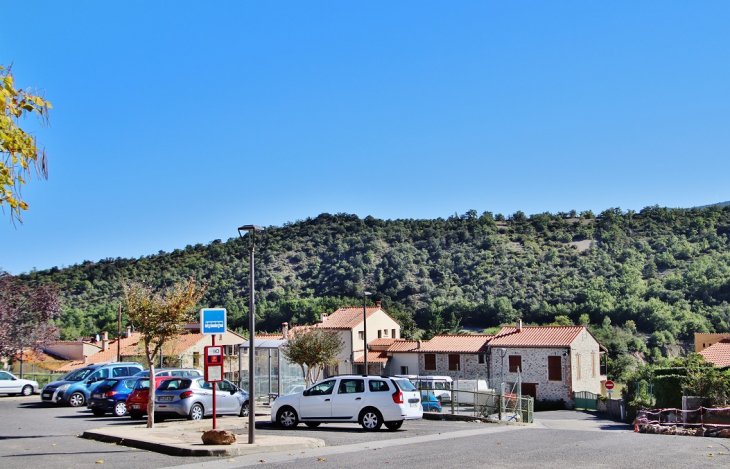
x,y
348,317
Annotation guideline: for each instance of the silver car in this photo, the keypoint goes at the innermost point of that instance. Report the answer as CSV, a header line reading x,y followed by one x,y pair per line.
x,y
193,398
11,384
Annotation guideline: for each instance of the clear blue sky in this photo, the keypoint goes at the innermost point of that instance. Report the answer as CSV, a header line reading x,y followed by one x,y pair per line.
x,y
175,122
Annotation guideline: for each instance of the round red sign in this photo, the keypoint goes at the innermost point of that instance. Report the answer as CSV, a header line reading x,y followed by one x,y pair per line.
x,y
609,384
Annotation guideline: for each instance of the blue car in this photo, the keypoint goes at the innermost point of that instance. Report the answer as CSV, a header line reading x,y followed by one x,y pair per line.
x,y
430,403
111,396
75,388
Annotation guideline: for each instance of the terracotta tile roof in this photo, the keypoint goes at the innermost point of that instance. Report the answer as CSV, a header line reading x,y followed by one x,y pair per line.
x,y
402,345
373,357
536,336
134,346
278,336
381,342
108,355
346,317
718,353
456,344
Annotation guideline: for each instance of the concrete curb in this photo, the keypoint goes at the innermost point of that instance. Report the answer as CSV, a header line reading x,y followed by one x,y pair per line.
x,y
186,441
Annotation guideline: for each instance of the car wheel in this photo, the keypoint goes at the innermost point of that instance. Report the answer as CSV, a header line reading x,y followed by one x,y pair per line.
x,y
393,426
27,390
120,408
287,418
77,399
136,415
244,410
312,424
196,412
371,420
98,412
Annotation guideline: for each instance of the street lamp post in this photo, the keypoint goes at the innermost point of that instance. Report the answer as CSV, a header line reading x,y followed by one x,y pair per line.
x,y
365,328
502,353
251,229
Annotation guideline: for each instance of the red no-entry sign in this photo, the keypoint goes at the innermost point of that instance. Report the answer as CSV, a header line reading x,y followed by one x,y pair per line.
x,y
609,385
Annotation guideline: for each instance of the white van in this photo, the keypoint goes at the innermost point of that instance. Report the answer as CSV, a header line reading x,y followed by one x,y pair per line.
x,y
439,386
469,387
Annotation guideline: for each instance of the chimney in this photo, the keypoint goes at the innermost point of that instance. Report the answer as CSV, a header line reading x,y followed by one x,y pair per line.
x,y
419,343
85,358
324,317
377,303
104,341
285,330
129,332
519,325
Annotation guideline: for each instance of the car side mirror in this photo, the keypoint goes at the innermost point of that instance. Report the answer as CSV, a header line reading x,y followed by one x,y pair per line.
x,y
305,392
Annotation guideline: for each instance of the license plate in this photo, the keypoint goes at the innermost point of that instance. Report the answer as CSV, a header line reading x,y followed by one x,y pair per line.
x,y
47,394
136,406
164,398
414,404
96,396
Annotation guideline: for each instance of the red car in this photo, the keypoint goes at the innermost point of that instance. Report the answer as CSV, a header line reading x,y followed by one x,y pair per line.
x,y
137,400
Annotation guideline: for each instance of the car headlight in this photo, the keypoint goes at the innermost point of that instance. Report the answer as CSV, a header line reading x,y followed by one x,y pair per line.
x,y
63,387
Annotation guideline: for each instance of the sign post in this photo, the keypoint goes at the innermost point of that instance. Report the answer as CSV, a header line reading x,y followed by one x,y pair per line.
x,y
213,321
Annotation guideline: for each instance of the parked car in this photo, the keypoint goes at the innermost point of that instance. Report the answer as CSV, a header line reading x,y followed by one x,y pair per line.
x,y
111,396
11,384
430,403
369,400
193,398
75,387
140,396
171,372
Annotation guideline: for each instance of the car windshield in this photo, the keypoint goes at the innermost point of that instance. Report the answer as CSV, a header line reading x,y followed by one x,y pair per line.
x,y
405,385
174,384
78,375
142,385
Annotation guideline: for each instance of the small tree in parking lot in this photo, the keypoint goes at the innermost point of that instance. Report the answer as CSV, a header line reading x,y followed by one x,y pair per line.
x,y
160,316
313,349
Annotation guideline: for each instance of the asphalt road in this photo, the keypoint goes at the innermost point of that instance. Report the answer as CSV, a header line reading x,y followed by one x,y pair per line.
x,y
33,435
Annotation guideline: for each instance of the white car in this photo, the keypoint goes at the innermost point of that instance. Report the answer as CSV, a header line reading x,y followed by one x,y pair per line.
x,y
369,400
11,384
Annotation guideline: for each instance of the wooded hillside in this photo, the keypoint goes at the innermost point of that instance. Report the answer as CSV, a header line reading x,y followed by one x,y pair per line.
x,y
661,272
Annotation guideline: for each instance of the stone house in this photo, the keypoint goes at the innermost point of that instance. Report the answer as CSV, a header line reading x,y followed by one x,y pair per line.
x,y
552,361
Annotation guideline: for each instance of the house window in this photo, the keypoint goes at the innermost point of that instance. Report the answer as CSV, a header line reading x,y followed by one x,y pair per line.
x,y
577,363
482,358
393,334
555,368
360,335
454,362
385,332
430,361
593,364
196,359
515,363
380,334
404,370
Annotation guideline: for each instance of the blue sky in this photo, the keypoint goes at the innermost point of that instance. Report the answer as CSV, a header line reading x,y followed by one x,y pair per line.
x,y
175,122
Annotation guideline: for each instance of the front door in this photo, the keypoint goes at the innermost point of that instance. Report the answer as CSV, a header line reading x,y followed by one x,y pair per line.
x,y
530,389
316,402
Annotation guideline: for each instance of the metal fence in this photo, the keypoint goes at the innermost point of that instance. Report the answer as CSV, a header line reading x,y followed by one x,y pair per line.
x,y
489,405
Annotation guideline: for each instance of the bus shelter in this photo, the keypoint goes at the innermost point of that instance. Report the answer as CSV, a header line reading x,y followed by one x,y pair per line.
x,y
275,375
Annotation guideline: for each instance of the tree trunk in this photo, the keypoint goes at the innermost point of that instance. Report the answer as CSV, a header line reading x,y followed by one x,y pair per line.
x,y
151,400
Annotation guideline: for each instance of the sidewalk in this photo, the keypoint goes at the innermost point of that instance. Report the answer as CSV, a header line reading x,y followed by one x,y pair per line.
x,y
183,438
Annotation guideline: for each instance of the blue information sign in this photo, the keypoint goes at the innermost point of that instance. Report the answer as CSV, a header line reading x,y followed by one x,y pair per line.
x,y
213,321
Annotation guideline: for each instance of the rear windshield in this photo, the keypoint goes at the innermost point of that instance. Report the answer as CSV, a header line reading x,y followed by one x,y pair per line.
x,y
142,384
405,385
108,383
173,384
